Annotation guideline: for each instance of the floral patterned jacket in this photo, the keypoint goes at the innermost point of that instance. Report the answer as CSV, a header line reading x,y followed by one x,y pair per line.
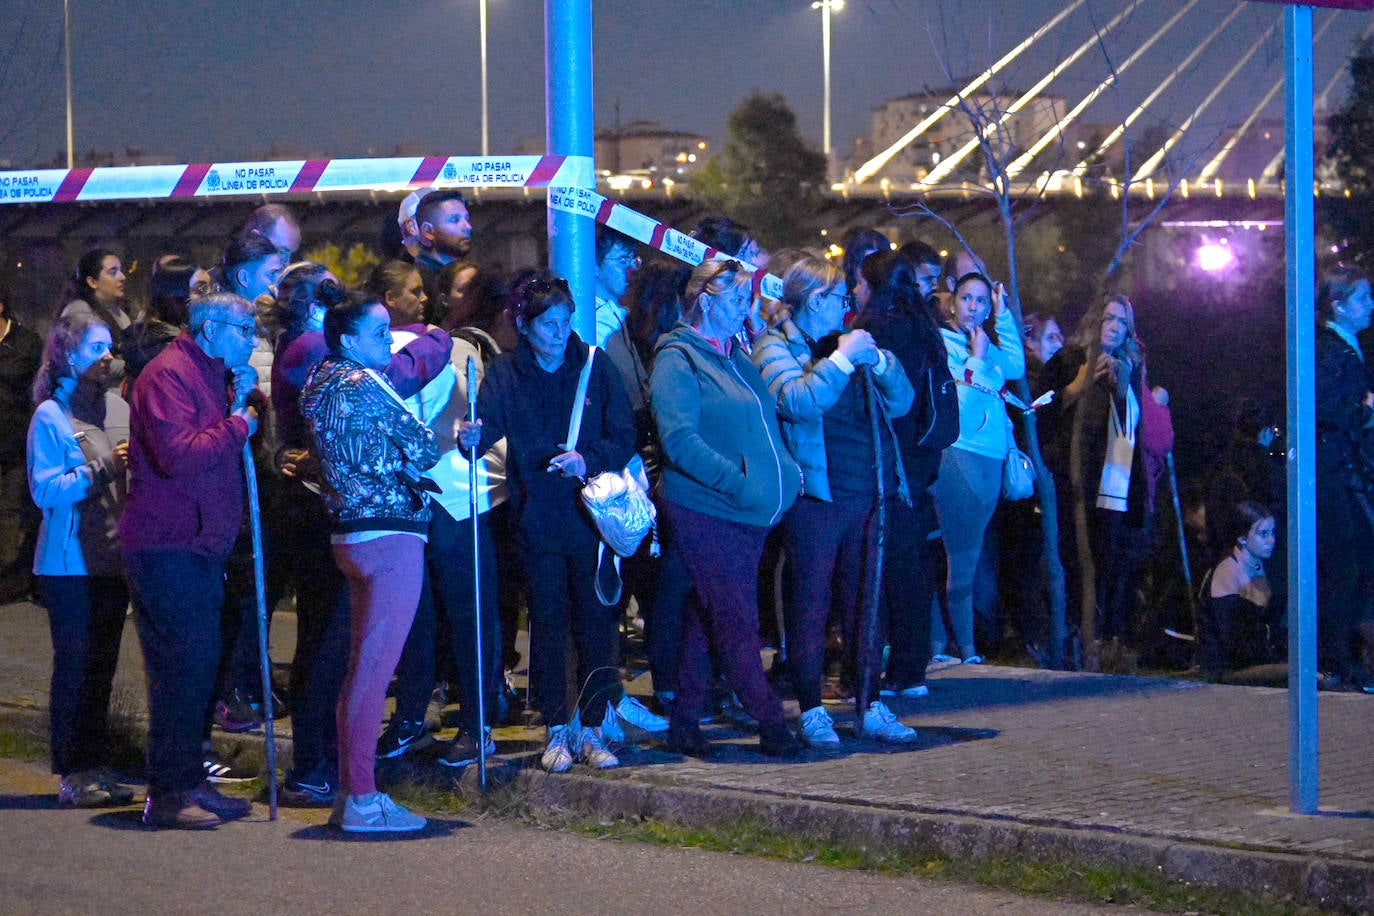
x,y
372,450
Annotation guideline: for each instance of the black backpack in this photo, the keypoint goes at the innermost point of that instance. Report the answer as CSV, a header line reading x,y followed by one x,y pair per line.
x,y
936,408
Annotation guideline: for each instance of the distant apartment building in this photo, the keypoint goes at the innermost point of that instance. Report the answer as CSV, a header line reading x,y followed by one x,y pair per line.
x,y
895,117
648,149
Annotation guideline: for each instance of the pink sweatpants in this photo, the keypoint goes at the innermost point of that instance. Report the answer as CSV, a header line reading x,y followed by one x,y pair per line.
x,y
384,580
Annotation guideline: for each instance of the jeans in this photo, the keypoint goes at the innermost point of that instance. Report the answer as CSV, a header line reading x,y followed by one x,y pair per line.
x,y
826,544
563,603
177,599
86,618
910,573
322,626
723,559
448,558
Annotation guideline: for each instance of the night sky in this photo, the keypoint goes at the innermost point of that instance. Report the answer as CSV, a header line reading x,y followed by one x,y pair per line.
x,y
207,80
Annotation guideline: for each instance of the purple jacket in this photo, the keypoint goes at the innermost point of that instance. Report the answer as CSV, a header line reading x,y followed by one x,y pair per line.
x,y
186,487
411,369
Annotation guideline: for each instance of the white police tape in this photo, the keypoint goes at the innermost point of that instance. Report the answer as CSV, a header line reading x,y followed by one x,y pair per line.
x,y
641,228
224,179
568,178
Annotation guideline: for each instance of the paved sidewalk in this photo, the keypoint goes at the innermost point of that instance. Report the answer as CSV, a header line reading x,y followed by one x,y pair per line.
x,y
1185,777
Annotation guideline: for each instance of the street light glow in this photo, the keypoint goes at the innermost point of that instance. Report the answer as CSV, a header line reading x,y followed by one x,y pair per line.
x,y
1215,257
826,7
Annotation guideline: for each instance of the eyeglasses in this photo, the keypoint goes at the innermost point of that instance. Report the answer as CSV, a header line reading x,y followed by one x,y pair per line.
x,y
632,260
246,331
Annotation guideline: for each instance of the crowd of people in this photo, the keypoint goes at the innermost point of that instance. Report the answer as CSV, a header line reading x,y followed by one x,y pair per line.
x,y
879,402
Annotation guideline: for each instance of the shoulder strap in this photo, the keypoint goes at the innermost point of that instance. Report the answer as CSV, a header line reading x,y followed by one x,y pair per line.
x,y
579,399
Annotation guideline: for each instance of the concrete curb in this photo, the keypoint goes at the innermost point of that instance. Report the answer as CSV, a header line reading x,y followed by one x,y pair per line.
x,y
1326,883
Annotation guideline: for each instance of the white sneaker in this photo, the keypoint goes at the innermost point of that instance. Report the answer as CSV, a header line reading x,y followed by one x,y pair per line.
x,y
611,730
881,725
591,750
640,716
818,728
558,756
377,813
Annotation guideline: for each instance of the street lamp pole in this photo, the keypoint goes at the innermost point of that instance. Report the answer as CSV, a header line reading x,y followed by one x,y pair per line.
x,y
67,51
486,140
826,6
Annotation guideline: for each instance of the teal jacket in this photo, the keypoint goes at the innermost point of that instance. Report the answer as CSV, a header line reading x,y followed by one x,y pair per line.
x,y
718,426
806,387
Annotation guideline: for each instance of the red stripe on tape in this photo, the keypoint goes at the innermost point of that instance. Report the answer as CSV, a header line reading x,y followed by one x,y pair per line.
x,y
756,282
72,184
429,170
190,180
603,214
543,172
710,254
309,176
660,231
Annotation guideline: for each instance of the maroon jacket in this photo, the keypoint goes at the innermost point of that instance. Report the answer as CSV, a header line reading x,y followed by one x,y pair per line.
x,y
186,487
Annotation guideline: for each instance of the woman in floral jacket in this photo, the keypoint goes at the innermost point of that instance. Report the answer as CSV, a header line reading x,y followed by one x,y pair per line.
x,y
372,453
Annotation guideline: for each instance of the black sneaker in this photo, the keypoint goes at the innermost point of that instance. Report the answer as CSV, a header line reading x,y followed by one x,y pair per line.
x,y
403,736
314,789
226,769
222,806
234,714
778,741
463,751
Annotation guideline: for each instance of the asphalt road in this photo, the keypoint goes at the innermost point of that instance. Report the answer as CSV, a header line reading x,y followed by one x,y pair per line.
x,y
64,861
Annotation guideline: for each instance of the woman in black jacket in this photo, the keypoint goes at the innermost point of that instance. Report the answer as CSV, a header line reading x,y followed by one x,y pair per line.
x,y
527,398
1345,419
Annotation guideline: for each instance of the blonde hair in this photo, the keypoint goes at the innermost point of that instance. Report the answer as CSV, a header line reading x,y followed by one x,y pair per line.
x,y
806,278
712,278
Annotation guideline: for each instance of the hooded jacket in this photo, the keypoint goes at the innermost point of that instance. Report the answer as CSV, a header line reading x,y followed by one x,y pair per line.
x,y
723,452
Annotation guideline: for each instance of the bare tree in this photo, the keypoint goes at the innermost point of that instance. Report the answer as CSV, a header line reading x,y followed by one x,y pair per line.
x,y
988,118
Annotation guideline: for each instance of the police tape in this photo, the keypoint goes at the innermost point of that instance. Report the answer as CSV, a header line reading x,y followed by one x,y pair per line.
x,y
568,178
226,179
651,232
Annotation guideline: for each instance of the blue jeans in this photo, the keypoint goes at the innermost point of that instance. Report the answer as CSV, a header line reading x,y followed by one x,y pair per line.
x,y
177,599
86,618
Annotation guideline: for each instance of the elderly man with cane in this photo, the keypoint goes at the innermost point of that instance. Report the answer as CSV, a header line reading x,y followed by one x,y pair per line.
x,y
189,422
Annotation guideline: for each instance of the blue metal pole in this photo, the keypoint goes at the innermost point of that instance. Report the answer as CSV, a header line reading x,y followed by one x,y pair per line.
x,y
571,132
1302,437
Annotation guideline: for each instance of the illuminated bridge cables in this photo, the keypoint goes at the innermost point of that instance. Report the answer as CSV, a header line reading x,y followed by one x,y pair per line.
x,y
874,165
1154,161
1057,131
1271,171
1144,106
1210,170
951,162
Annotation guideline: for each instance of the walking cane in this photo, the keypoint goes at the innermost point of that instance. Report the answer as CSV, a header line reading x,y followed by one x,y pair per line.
x,y
1183,550
477,583
260,596
873,578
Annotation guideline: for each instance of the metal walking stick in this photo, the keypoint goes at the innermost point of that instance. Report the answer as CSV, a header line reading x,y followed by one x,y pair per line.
x,y
260,599
869,613
481,736
1183,551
